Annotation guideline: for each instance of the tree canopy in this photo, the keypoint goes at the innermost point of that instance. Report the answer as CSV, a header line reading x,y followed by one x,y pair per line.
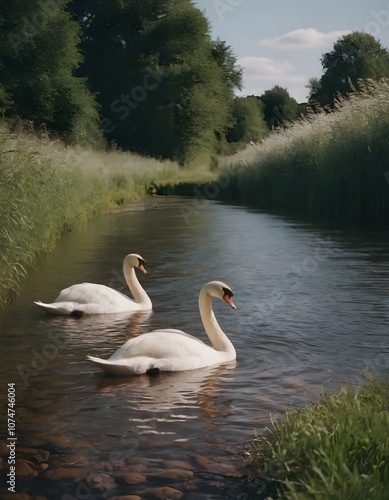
x,y
145,74
354,56
279,107
38,57
249,123
164,86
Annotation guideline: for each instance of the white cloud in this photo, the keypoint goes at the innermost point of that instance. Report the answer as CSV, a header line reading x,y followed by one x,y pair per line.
x,y
262,73
266,69
303,38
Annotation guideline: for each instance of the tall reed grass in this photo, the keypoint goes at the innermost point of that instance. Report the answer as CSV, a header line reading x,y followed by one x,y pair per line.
x,y
335,449
329,163
47,188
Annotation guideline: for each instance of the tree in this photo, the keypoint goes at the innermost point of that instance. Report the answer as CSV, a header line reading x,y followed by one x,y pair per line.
x,y
279,106
165,88
249,123
314,87
38,56
225,58
354,56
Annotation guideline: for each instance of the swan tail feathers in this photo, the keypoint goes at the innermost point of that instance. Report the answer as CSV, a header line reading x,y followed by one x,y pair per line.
x,y
58,308
93,359
49,308
111,367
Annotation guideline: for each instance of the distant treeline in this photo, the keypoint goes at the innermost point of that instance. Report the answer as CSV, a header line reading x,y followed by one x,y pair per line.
x,y
147,77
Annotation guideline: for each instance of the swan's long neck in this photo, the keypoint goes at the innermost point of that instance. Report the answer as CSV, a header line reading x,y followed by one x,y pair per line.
x,y
216,335
135,287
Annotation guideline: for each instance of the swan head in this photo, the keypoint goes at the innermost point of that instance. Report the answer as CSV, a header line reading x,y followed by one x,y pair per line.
x,y
220,290
136,260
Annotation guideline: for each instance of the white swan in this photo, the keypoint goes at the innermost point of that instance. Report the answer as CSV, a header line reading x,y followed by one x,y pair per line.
x,y
90,298
173,350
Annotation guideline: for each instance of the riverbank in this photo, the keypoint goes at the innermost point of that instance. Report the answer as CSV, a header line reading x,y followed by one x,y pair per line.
x,y
336,448
331,165
47,188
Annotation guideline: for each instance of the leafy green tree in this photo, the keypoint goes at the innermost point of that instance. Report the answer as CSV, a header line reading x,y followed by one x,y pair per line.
x,y
313,87
231,80
249,123
165,88
225,58
191,103
354,56
39,54
279,107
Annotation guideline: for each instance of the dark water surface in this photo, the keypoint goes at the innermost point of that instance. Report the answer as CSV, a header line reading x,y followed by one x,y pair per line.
x,y
312,313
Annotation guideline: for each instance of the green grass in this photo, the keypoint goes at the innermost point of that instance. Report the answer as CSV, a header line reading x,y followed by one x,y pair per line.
x,y
337,448
47,188
331,164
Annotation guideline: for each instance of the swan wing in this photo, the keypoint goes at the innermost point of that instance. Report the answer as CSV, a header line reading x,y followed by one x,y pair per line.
x,y
88,293
160,344
139,365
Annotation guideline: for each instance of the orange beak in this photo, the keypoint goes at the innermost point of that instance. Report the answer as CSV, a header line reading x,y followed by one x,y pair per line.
x,y
229,301
142,268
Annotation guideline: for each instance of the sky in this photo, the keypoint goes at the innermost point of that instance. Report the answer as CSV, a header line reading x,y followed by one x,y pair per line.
x,y
281,42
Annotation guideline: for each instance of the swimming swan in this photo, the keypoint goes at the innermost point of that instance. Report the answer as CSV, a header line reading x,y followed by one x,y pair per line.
x,y
173,350
89,298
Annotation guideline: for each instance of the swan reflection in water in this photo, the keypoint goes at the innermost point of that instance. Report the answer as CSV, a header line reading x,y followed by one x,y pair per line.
x,y
165,404
98,331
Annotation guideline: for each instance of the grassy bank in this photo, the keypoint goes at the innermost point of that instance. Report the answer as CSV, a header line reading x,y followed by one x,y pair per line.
x,y
330,164
337,448
47,188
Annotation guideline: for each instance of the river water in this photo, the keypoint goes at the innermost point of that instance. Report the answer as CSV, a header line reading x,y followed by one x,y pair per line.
x,y
312,314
